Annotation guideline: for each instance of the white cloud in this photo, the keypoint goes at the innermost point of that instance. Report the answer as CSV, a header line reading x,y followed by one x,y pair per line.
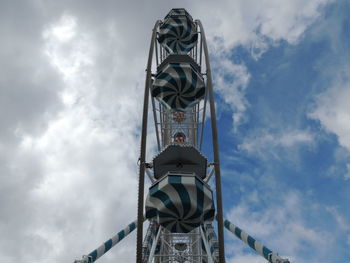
x,y
256,25
268,142
259,45
347,175
64,30
231,80
333,111
330,107
68,49
241,22
85,157
89,151
341,221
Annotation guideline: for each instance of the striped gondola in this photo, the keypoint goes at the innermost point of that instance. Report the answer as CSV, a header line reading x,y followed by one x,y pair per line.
x,y
180,203
178,34
178,86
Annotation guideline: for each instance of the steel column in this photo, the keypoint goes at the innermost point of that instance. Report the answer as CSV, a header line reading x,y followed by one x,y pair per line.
x,y
215,149
143,149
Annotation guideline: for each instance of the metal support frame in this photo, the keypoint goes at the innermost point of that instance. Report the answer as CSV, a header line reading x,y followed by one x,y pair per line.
x,y
211,237
200,50
143,148
206,90
154,245
206,245
188,127
150,175
149,240
203,119
210,93
168,252
155,121
161,122
210,174
215,148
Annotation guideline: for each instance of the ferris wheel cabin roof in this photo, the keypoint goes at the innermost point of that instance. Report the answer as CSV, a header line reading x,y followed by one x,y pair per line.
x,y
176,12
176,58
180,158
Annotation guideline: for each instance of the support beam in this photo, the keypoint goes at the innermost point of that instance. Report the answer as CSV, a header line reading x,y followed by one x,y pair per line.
x,y
255,245
215,149
150,175
101,250
210,175
143,148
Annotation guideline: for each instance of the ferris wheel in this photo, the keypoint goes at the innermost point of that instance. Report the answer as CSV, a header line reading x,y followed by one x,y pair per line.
x,y
179,206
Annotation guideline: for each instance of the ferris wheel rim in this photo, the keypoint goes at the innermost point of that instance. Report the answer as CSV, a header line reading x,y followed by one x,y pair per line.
x,y
209,94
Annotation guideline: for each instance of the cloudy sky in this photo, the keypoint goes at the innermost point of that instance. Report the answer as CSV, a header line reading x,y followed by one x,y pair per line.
x,y
71,86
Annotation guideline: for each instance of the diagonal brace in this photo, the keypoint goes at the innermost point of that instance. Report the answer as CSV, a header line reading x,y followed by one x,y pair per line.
x,y
101,250
255,245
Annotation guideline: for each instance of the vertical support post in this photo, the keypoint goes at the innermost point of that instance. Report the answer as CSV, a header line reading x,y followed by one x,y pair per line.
x,y
161,120
215,149
157,58
196,51
200,50
143,150
155,122
161,53
203,118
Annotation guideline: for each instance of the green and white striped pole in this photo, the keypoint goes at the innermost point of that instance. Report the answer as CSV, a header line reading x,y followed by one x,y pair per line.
x,y
257,246
101,250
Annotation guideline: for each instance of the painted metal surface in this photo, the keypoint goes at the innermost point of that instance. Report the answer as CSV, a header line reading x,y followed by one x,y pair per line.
x,y
106,246
180,158
180,203
254,244
178,33
178,86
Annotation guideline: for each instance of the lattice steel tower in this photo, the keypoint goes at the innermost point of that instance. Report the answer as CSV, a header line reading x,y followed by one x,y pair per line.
x,y
180,205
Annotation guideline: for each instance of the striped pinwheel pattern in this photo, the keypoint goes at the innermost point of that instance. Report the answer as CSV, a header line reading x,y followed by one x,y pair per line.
x,y
180,203
178,35
178,86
